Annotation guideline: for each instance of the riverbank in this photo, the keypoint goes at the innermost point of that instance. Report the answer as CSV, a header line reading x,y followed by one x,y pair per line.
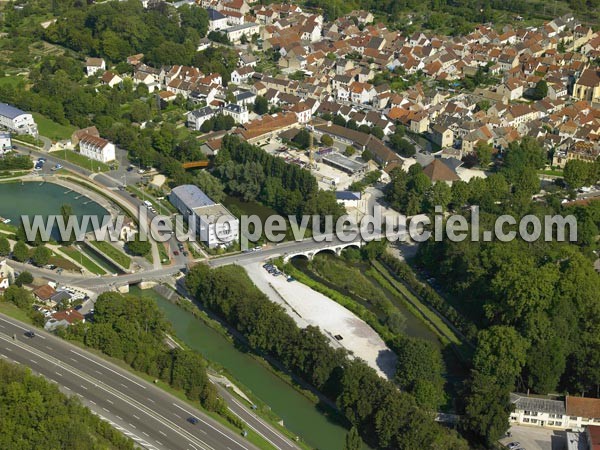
x,y
280,396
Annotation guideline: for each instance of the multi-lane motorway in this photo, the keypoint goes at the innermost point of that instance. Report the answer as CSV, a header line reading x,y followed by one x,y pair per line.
x,y
145,413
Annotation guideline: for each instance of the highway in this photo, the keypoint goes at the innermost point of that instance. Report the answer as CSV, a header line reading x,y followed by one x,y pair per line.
x,y
147,414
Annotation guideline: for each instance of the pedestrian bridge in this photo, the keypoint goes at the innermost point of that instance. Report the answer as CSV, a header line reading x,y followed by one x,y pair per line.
x,y
334,247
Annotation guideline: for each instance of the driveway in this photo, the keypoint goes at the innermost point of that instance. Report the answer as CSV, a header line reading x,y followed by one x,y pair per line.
x,y
535,438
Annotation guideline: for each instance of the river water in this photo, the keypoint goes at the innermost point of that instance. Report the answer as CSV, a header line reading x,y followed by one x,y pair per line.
x,y
299,414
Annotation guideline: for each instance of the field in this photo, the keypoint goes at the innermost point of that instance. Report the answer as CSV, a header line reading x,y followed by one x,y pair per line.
x,y
112,253
81,161
51,129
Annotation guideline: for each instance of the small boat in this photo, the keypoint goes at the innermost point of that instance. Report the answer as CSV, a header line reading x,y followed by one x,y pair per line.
x,y
3,220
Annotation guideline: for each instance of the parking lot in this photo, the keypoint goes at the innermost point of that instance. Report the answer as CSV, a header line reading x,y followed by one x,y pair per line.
x,y
535,438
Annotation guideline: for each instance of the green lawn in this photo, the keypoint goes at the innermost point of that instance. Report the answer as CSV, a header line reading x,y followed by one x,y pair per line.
x,y
112,253
11,80
86,262
11,310
81,161
162,251
55,131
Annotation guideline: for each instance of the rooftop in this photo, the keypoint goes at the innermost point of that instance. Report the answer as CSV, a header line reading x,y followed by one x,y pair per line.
x,y
192,196
538,404
10,111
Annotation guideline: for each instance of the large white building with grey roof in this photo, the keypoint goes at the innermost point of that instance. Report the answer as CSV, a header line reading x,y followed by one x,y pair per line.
x,y
215,225
17,121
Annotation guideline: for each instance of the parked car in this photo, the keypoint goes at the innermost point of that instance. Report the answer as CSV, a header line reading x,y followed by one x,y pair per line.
x,y
175,252
513,445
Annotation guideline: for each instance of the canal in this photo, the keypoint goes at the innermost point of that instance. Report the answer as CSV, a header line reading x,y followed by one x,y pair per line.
x,y
42,198
299,414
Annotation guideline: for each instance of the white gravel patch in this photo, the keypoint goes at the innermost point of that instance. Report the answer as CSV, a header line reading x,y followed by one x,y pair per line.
x,y
309,307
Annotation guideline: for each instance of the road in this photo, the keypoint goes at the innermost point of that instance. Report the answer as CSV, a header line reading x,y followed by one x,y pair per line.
x,y
147,414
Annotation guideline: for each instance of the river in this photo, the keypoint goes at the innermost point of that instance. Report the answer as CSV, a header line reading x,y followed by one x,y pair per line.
x,y
299,414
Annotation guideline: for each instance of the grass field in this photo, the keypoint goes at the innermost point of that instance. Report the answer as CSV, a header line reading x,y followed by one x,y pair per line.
x,y
11,310
162,251
112,253
81,161
55,131
86,262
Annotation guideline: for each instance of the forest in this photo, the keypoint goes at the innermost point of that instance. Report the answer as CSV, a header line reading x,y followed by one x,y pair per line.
x,y
535,304
385,416
35,414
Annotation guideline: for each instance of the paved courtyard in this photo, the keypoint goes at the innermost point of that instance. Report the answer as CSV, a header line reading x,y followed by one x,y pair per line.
x,y
535,438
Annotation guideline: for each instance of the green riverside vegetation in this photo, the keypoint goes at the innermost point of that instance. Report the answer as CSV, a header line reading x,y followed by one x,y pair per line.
x,y
35,414
384,416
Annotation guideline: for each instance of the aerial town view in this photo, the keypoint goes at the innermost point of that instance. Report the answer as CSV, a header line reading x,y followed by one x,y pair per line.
x,y
295,225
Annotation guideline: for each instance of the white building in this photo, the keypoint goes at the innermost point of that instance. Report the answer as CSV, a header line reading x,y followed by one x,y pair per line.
x,y
97,148
197,117
573,412
16,120
216,20
215,225
93,65
5,142
235,33
238,112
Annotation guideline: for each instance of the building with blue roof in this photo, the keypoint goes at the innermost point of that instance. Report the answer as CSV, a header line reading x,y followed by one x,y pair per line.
x,y
17,121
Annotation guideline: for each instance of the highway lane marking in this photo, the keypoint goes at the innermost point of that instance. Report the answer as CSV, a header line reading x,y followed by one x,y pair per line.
x,y
109,401
105,409
209,425
59,374
20,327
178,415
111,390
92,402
83,387
67,388
250,426
49,348
73,359
163,433
109,369
136,416
150,399
119,417
159,443
146,434
133,425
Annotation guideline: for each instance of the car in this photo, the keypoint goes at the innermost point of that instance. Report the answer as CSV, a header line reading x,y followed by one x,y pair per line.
x,y
175,252
180,246
193,420
185,253
141,171
57,167
78,307
513,445
30,334
42,159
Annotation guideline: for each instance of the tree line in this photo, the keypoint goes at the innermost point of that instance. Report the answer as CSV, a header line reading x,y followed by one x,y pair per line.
x,y
385,416
35,414
247,171
133,329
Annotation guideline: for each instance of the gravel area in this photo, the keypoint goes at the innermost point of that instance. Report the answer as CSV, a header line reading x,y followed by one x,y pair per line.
x,y
309,307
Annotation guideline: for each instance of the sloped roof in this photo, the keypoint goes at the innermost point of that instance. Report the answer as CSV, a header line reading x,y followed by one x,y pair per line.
x,y
439,171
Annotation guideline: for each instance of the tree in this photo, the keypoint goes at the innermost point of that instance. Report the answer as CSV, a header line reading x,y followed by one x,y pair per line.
x,y
349,151
41,255
577,173
24,278
302,139
377,132
353,440
20,251
402,146
139,246
484,153
4,246
540,91
261,105
326,140
66,211
19,296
